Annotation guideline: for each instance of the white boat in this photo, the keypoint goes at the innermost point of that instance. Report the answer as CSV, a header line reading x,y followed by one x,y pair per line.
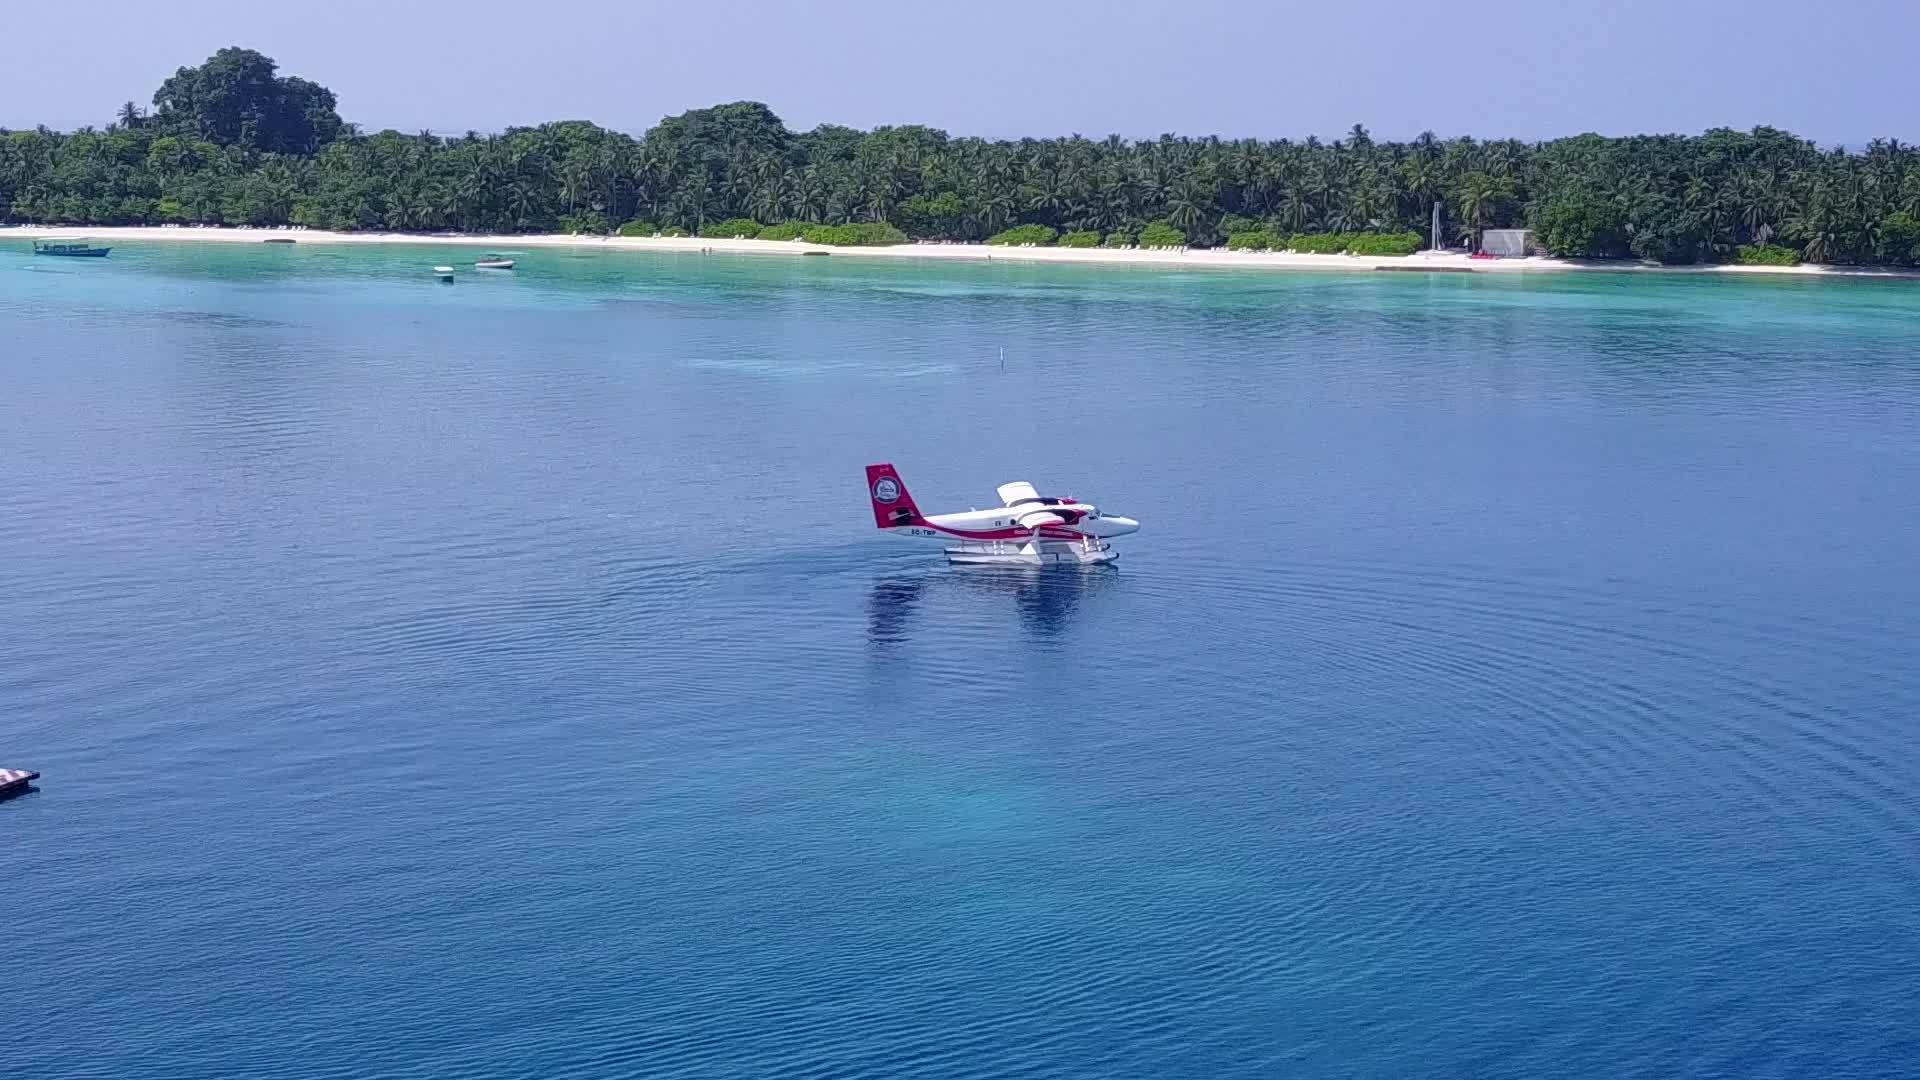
x,y
444,273
494,262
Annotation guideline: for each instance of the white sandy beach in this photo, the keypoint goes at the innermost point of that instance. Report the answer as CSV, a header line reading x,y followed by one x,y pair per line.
x,y
1196,258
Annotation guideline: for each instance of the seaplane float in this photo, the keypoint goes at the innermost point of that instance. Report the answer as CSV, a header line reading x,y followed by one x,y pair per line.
x,y
1026,529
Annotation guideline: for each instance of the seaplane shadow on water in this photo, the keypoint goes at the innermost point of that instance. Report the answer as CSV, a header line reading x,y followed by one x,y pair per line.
x,y
1047,553
1045,599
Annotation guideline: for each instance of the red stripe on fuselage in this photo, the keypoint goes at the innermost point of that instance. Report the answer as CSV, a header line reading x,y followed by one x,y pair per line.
x,y
1046,533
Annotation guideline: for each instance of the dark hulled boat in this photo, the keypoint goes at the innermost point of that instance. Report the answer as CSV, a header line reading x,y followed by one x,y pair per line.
x,y
77,249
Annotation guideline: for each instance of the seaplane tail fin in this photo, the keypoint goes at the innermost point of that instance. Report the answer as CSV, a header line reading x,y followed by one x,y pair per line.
x,y
892,507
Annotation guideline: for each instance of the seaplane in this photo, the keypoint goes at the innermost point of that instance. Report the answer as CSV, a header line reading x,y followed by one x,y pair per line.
x,y
1026,529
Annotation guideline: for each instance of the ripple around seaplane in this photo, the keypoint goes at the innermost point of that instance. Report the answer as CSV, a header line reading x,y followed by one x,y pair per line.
x,y
1027,529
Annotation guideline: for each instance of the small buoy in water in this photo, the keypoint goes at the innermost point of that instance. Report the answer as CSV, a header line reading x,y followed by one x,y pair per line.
x,y
444,273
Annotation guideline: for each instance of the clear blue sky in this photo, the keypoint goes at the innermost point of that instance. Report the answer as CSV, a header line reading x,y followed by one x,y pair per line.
x,y
1838,71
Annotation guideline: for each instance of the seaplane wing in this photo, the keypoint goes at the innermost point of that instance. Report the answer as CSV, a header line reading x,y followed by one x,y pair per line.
x,y
1039,518
1012,494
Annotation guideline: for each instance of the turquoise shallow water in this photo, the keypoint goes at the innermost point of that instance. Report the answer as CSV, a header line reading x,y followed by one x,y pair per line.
x,y
1515,677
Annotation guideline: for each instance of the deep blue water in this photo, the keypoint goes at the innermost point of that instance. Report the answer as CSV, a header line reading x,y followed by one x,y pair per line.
x,y
1515,677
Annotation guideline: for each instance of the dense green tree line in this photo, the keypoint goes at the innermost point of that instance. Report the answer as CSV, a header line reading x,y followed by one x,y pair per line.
x,y
233,142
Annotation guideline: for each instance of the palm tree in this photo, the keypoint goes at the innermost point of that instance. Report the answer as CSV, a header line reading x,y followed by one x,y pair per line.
x,y
1754,195
1187,207
610,173
810,201
1696,195
397,215
1370,205
521,199
1908,199
1115,200
1816,234
997,209
278,188
472,190
1475,200
1420,179
448,205
651,177
767,201
1046,196
841,202
697,199
575,181
1296,211
878,200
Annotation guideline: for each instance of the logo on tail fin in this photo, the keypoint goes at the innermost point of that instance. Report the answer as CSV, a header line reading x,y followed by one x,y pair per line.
x,y
892,507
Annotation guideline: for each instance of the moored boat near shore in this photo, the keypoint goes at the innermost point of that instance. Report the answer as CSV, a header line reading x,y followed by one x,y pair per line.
x,y
69,248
